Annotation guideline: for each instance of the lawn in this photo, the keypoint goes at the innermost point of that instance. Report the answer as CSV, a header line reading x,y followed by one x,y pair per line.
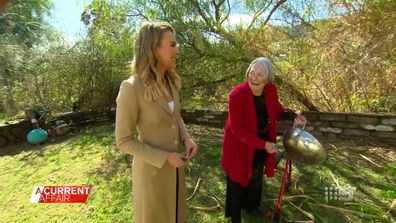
x,y
89,157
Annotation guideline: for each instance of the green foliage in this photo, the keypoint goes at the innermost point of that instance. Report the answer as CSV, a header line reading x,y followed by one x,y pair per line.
x,y
22,27
335,61
81,76
22,23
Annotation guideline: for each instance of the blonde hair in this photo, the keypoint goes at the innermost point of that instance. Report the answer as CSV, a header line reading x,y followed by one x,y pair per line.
x,y
142,65
265,63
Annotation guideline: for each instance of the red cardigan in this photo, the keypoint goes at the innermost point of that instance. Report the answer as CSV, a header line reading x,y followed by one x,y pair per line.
x,y
240,134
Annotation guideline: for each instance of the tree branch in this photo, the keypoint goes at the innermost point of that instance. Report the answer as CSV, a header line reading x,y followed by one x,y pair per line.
x,y
258,14
228,13
287,9
278,4
206,19
222,80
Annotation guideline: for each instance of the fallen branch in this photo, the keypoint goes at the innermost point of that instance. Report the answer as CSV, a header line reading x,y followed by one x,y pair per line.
x,y
221,204
299,196
394,159
211,208
387,214
292,197
366,158
335,148
197,186
353,203
391,207
335,180
344,210
307,214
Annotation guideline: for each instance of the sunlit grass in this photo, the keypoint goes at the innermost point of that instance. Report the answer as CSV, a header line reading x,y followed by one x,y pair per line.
x,y
90,158
87,159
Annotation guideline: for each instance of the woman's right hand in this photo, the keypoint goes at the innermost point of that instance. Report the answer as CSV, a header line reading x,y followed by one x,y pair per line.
x,y
177,160
270,147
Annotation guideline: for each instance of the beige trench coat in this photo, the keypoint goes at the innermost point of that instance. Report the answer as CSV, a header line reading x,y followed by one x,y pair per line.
x,y
160,133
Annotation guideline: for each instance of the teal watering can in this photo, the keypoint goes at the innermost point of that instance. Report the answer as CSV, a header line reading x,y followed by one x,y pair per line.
x,y
37,135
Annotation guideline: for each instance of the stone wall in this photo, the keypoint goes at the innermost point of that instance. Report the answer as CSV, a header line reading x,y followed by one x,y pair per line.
x,y
377,127
17,132
14,133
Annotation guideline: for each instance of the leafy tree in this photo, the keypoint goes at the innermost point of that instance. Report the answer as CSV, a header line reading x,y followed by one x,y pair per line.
x,y
318,48
329,55
21,26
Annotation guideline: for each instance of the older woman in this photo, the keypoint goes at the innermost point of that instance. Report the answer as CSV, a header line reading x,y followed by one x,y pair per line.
x,y
148,103
250,136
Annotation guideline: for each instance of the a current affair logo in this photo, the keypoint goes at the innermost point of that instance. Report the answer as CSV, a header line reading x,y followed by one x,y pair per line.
x,y
60,194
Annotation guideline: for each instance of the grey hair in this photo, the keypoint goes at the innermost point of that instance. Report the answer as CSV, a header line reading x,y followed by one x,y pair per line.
x,y
265,63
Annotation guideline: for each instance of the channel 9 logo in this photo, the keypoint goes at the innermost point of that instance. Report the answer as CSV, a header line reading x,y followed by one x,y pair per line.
x,y
339,193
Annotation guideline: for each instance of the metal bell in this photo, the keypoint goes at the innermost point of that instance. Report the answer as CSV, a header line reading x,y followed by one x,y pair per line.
x,y
302,146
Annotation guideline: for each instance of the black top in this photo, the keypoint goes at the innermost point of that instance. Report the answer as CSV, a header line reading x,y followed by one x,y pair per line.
x,y
262,116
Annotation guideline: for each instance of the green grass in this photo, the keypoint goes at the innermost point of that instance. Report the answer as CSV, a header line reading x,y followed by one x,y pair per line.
x,y
87,159
90,158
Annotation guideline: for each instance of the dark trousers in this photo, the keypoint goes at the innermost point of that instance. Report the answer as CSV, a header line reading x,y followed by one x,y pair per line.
x,y
248,198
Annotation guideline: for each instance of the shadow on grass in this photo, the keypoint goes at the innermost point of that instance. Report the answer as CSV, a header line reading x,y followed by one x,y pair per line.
x,y
375,185
112,179
346,166
80,141
111,198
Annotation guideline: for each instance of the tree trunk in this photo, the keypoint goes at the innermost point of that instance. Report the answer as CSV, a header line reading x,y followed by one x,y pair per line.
x,y
300,96
2,109
10,106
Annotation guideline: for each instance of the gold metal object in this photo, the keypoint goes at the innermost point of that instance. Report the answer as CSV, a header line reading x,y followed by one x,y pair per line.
x,y
302,146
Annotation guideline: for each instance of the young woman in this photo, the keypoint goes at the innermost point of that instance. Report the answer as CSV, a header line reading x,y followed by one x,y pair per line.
x,y
148,104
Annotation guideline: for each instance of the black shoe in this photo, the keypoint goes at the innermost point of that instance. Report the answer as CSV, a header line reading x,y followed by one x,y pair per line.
x,y
256,213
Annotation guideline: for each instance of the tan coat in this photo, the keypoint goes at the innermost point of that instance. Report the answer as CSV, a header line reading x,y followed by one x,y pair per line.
x,y
160,133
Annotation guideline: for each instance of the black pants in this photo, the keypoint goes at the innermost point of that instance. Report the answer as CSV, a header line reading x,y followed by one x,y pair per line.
x,y
248,198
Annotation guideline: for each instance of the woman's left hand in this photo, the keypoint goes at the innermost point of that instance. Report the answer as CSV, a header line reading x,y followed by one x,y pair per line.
x,y
191,148
300,119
